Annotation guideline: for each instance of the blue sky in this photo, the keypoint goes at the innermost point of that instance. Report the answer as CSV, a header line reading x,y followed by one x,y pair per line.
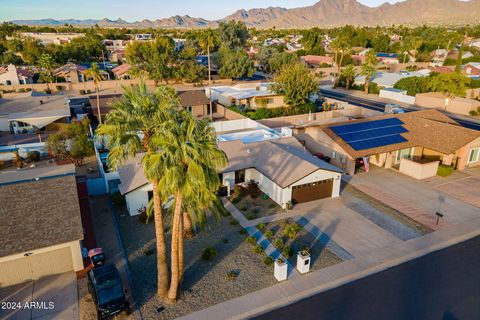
x,y
132,10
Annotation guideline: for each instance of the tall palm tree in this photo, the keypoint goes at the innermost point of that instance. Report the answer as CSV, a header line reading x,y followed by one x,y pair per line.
x,y
349,74
207,41
369,68
340,45
137,124
192,158
95,74
46,63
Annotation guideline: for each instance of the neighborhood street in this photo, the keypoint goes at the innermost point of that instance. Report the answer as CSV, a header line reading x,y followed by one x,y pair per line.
x,y
442,285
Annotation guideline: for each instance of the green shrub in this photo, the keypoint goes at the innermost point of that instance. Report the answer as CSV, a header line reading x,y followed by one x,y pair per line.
x,y
60,88
209,253
251,216
268,234
287,252
242,231
291,230
444,171
118,200
261,226
234,222
48,91
473,113
272,205
251,240
231,275
244,208
255,211
278,244
33,156
236,200
258,249
268,261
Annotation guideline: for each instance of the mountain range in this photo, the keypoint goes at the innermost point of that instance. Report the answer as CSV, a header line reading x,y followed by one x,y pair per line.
x,y
323,13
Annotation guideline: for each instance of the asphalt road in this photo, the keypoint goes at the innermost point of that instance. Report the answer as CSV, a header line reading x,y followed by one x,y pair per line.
x,y
380,106
444,285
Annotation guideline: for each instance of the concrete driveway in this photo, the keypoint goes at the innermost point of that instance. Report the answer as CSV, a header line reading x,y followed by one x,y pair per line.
x,y
426,195
55,297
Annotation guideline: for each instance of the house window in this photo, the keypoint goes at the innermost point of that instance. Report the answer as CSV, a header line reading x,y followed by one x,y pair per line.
x,y
404,154
474,155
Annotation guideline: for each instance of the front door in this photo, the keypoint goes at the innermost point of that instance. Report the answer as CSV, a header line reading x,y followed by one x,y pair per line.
x,y
239,176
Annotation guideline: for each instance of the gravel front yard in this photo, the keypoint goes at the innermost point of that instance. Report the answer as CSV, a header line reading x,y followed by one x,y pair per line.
x,y
322,257
254,207
205,283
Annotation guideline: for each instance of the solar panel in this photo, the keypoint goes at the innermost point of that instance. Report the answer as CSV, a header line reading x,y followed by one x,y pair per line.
x,y
355,127
377,142
372,134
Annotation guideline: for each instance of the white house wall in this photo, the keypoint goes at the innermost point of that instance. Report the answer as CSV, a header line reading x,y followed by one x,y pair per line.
x,y
320,175
274,191
137,199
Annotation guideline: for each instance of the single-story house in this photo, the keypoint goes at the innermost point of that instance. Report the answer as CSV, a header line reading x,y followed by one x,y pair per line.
x,y
248,95
317,61
438,100
420,139
118,55
41,228
122,71
471,69
388,79
387,58
196,102
281,167
28,113
11,75
397,95
442,69
71,73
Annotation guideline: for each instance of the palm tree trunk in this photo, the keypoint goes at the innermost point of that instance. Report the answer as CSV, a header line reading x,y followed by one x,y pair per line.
x,y
210,82
162,267
367,83
347,84
181,243
98,105
188,225
174,257
339,68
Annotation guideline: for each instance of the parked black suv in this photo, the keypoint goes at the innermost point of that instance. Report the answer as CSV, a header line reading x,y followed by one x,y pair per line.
x,y
105,286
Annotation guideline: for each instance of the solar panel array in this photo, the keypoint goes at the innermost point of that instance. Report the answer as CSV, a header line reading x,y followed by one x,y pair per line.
x,y
372,134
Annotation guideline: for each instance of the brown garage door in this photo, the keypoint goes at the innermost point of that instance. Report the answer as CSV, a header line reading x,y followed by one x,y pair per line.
x,y
312,191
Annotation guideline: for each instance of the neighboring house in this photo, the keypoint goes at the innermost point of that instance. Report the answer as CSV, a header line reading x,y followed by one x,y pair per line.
x,y
113,45
247,95
294,46
46,38
438,100
387,58
143,37
475,43
122,71
11,75
71,73
118,55
388,79
179,44
28,113
196,102
413,143
358,60
42,231
439,57
442,69
397,95
317,61
280,166
471,69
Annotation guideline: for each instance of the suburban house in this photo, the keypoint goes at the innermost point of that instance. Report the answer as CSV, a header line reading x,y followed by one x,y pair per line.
x,y
119,55
387,58
122,71
317,61
415,143
438,57
195,101
11,75
115,44
388,79
71,73
42,231
28,113
471,69
439,100
397,95
247,95
280,165
47,38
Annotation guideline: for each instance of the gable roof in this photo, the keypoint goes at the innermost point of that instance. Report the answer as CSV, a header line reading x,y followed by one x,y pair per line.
x,y
121,69
281,160
193,98
67,68
39,213
430,129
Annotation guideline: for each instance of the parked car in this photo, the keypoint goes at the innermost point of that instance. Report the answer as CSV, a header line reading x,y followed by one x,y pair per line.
x,y
105,286
393,108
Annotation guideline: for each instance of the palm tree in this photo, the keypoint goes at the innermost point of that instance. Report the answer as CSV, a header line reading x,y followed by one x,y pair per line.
x,y
191,163
349,74
369,68
207,41
95,74
46,63
136,124
340,45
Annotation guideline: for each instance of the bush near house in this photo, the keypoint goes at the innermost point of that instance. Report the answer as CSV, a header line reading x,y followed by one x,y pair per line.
x,y
33,156
264,113
444,171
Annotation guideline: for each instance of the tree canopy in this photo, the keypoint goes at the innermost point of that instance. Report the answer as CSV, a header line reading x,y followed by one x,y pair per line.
x,y
296,84
233,34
